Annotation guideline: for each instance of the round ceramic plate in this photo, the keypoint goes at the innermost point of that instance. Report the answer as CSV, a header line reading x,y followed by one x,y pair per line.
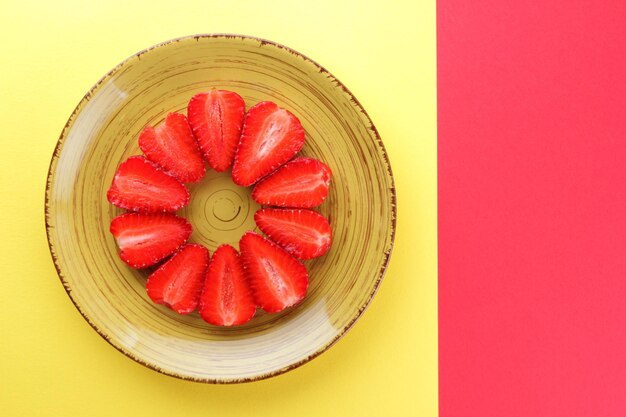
x,y
102,132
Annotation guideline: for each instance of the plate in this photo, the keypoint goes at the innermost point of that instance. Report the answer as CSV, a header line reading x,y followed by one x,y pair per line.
x,y
102,132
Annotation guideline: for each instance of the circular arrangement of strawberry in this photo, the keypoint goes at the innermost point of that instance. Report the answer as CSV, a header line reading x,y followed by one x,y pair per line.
x,y
259,145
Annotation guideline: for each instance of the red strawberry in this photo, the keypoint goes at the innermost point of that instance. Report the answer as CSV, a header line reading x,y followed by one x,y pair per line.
x,y
305,234
301,183
216,118
226,298
178,282
173,147
278,280
139,185
145,239
271,136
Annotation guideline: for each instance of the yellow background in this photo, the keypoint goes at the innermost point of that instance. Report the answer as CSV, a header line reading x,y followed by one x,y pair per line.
x,y
53,363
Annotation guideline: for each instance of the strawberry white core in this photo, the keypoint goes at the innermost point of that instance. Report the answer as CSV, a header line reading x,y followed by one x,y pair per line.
x,y
274,130
228,298
305,183
279,286
166,138
133,239
177,288
139,187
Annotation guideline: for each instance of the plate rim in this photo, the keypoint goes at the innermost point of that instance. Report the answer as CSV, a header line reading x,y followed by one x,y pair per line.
x,y
52,171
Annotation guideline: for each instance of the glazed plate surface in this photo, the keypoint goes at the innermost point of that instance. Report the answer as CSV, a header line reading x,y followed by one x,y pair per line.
x,y
103,131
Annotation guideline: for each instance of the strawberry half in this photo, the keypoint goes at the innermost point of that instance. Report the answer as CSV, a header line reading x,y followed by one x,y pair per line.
x,y
305,234
139,185
278,280
173,147
301,183
216,118
271,136
226,298
178,282
145,239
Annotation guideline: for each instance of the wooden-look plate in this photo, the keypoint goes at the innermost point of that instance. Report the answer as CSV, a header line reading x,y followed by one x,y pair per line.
x,y
103,131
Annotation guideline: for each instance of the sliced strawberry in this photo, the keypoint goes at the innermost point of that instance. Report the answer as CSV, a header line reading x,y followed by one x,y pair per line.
x,y
226,298
216,119
271,136
173,147
178,282
301,183
305,234
139,185
145,239
278,280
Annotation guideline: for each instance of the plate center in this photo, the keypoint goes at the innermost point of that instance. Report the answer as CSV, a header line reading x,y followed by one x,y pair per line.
x,y
225,206
220,211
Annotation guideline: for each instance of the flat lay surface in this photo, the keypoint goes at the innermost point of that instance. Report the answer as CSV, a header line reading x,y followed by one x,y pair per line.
x,y
503,125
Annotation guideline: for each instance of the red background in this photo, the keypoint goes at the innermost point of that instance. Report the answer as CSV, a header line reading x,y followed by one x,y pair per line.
x,y
532,208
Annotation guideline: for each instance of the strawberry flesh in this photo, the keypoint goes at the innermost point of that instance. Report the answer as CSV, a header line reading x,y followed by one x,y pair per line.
x,y
305,234
178,282
277,279
173,148
139,185
145,239
271,136
216,118
226,298
300,183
